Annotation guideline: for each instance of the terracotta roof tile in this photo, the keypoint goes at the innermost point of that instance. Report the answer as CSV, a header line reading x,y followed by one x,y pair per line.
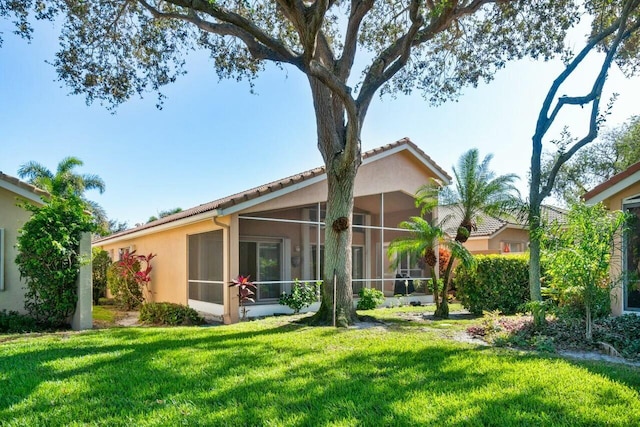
x,y
25,186
255,192
611,181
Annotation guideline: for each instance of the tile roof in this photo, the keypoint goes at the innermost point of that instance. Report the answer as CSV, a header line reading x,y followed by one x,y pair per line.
x,y
611,181
23,185
489,225
271,187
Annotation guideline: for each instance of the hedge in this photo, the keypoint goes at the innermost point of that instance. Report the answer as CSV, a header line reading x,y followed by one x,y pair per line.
x,y
499,282
166,313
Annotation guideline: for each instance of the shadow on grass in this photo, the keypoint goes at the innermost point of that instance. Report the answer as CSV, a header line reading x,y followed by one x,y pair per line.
x,y
288,375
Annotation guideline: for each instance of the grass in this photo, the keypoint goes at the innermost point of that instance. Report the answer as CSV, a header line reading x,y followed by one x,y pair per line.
x,y
277,373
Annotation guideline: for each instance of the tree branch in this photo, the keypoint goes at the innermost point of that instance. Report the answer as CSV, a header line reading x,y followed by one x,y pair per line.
x,y
394,58
623,32
247,31
359,9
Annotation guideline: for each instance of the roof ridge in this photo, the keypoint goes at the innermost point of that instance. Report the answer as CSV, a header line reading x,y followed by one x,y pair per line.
x,y
251,193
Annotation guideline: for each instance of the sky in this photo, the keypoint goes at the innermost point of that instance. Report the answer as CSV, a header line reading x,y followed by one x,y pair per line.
x,y
214,138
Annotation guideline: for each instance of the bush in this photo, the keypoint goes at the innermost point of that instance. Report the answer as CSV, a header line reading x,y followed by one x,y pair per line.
x,y
14,322
499,282
167,313
127,280
99,264
49,258
622,332
369,299
302,296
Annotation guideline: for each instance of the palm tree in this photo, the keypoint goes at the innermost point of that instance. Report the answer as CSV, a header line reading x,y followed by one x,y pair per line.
x,y
420,243
65,182
477,190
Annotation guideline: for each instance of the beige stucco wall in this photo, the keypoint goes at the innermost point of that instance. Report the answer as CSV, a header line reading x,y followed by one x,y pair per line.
x,y
169,274
615,202
12,218
396,172
508,235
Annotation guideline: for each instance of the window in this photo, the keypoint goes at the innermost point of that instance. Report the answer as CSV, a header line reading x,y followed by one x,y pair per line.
x,y
206,253
262,260
357,265
631,259
511,247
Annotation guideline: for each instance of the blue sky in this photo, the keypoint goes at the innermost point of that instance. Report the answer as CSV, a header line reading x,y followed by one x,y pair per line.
x,y
215,138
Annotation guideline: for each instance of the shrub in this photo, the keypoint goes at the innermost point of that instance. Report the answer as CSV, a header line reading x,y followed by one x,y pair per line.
x,y
14,322
622,332
499,282
166,313
369,299
302,296
99,264
127,280
49,258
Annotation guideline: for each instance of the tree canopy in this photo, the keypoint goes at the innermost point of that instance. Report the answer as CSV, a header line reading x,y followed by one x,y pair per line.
x,y
349,50
616,150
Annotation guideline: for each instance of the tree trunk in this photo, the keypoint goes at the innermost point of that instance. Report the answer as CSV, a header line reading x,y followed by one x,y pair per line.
x,y
443,310
434,279
339,144
588,331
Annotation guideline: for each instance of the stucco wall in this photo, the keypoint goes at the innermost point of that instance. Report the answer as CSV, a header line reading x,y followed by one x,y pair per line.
x,y
12,218
615,202
508,235
169,274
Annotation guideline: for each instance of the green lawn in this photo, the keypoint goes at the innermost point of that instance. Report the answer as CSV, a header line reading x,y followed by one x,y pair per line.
x,y
273,372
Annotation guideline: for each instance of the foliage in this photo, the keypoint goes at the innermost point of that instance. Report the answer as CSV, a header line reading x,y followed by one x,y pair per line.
x,y
100,263
370,298
13,322
128,281
577,256
622,332
65,182
166,313
614,31
499,282
112,51
302,295
49,258
615,151
163,214
246,292
477,191
444,255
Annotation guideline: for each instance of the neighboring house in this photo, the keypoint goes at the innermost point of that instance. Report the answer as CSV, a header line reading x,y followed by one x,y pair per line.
x,y
622,192
275,233
12,218
495,235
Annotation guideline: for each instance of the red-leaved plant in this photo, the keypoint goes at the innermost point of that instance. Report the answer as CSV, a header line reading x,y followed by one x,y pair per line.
x,y
246,292
127,279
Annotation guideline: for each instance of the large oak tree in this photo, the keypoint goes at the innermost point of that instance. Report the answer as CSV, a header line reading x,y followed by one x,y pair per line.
x,y
114,49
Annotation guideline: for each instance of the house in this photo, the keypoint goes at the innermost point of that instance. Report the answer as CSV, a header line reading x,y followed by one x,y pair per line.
x,y
12,218
275,234
622,192
506,235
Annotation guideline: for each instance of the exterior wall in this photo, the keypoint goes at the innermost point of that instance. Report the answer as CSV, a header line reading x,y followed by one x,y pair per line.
x,y
170,267
478,245
169,274
381,176
616,202
512,235
12,218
